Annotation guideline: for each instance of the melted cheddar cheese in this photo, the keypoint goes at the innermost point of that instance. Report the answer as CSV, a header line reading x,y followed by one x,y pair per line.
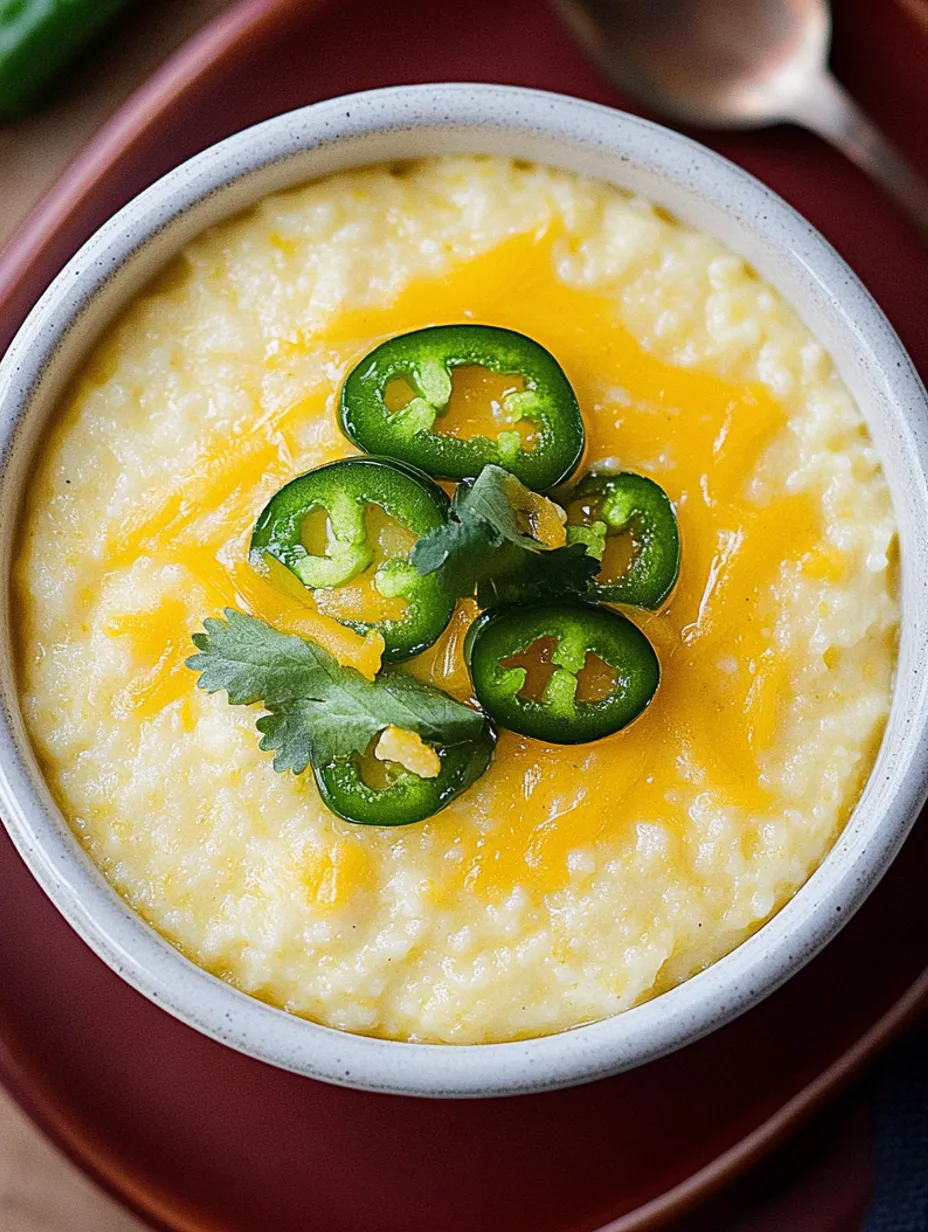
x,y
697,435
712,772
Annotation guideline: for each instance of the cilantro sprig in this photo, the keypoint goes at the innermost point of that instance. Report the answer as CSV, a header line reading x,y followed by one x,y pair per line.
x,y
484,549
318,709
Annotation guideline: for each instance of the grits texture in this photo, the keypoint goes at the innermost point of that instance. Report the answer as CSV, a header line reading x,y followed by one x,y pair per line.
x,y
476,925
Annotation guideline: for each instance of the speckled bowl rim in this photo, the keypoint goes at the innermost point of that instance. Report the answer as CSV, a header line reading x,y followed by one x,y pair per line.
x,y
705,190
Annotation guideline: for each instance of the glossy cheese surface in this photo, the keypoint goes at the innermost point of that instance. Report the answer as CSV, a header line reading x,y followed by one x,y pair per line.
x,y
570,882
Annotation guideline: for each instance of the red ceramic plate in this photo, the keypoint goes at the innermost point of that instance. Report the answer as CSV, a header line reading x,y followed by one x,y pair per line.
x,y
197,1137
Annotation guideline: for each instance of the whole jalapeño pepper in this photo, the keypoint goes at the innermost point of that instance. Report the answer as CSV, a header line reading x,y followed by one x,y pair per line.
x,y
564,634
425,359
38,38
345,491
627,503
403,797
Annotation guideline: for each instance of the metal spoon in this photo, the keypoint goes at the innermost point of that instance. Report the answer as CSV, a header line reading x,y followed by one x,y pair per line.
x,y
740,64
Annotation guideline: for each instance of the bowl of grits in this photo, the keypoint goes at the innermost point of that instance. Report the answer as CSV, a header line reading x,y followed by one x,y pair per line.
x,y
464,629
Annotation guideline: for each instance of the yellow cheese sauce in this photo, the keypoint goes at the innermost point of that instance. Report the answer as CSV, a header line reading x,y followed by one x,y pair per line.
x,y
713,766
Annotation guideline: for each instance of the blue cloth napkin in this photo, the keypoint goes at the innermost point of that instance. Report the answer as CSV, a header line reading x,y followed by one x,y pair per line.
x,y
900,1106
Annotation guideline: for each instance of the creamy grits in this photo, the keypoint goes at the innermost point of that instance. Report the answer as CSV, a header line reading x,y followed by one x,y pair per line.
x,y
570,882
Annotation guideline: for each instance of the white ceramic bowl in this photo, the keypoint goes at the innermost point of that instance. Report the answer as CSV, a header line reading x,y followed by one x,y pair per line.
x,y
702,189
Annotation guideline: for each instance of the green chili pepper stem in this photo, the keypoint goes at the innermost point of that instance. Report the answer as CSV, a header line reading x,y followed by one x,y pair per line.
x,y
577,629
425,359
345,489
411,798
632,503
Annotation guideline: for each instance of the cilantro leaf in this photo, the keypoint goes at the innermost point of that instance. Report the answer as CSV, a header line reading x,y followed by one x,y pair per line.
x,y
491,499
462,550
483,548
318,709
483,534
253,662
287,733
563,571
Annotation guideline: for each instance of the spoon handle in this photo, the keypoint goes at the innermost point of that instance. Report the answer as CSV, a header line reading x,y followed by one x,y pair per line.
x,y
827,109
